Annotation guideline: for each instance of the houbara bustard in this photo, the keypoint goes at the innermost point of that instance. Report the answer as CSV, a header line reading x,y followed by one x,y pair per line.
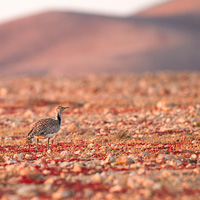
x,y
46,128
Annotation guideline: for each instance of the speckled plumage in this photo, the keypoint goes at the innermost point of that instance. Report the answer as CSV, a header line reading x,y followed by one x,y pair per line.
x,y
46,128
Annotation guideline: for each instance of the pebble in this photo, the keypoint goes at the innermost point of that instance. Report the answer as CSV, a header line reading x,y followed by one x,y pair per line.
x,y
104,148
180,120
193,158
65,154
96,178
78,152
110,159
50,180
124,160
132,183
11,162
27,191
10,197
27,156
64,164
49,151
141,171
135,166
161,104
62,193
2,111
116,188
103,131
72,128
88,192
91,145
196,170
29,113
6,158
160,158
3,91
77,167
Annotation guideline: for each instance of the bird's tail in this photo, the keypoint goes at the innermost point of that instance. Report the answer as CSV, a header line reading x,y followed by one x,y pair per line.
x,y
30,135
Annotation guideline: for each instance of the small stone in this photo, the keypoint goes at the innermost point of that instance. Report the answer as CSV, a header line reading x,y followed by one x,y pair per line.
x,y
10,197
111,196
18,157
180,120
103,131
91,145
110,178
104,148
77,167
62,193
11,162
2,111
64,164
145,154
116,188
196,170
27,191
148,182
135,166
6,158
178,162
78,152
165,173
62,175
87,106
65,154
98,196
188,166
50,180
193,158
146,193
124,160
96,178
72,128
28,156
29,113
160,158
35,198
132,183
141,171
46,172
49,151
161,104
88,192
3,91
110,159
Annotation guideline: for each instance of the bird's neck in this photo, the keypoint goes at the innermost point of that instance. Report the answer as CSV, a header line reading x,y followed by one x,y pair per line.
x,y
58,117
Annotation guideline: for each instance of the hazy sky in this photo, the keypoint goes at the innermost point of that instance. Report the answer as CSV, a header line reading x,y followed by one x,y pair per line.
x,y
11,9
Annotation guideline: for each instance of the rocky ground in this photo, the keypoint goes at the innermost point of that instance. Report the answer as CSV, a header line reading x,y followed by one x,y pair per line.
x,y
123,137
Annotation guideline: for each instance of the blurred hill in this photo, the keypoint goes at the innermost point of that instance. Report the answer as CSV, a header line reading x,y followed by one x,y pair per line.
x,y
165,37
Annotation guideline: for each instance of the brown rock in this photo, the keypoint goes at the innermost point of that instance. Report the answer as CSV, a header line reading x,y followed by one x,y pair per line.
x,y
62,193
110,159
65,154
124,160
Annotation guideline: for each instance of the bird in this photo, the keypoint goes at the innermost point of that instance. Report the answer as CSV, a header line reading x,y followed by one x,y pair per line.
x,y
46,128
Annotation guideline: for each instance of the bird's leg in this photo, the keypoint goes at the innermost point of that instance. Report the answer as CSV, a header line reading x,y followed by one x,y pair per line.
x,y
37,140
48,143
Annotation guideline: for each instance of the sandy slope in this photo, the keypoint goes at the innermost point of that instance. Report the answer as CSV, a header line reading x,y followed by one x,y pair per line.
x,y
64,43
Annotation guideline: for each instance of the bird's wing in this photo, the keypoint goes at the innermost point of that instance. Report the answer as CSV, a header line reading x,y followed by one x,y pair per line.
x,y
44,126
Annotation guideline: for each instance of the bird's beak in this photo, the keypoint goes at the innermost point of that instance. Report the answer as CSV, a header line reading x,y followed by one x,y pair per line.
x,y
66,107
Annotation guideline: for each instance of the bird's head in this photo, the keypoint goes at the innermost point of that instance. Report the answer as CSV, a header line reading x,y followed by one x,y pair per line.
x,y
59,109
